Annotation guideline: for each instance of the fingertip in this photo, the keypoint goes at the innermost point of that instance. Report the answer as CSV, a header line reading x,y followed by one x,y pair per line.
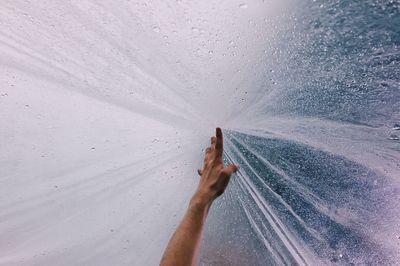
x,y
218,132
232,168
235,168
213,140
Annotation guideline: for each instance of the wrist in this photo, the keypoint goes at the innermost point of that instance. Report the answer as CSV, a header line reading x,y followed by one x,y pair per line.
x,y
200,202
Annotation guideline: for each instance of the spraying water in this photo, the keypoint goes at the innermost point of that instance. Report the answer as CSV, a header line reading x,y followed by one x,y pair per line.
x,y
106,108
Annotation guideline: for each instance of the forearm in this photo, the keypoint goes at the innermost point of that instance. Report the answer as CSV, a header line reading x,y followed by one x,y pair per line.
x,y
183,246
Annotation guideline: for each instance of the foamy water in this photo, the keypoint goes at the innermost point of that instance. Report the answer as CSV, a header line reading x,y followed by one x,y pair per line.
x,y
106,108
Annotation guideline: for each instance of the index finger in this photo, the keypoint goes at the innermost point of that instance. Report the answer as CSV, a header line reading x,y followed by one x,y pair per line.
x,y
219,145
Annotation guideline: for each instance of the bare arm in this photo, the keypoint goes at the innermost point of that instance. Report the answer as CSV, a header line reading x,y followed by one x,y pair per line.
x,y
183,248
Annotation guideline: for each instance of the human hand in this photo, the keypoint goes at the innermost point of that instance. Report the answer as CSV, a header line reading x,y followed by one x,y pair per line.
x,y
214,176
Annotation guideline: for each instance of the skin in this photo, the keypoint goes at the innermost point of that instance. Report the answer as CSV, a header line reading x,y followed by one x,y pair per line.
x,y
183,248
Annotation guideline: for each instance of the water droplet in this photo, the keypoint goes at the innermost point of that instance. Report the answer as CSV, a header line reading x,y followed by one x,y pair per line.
x,y
210,52
394,137
243,6
194,29
396,127
156,29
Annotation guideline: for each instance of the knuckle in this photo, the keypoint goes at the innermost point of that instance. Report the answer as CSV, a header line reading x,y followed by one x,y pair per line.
x,y
217,160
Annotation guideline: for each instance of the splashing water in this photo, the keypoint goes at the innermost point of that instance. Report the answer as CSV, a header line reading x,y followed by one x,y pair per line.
x,y
106,108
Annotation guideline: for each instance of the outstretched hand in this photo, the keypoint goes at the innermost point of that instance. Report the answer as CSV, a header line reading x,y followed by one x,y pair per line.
x,y
183,248
214,176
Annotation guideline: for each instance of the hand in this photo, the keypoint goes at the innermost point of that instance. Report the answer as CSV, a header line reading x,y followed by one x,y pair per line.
x,y
214,176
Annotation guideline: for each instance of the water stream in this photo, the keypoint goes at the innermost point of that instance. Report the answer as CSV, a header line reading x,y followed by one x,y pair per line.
x,y
106,108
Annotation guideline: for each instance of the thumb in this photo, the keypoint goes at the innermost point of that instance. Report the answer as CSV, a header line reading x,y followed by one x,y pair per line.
x,y
230,169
